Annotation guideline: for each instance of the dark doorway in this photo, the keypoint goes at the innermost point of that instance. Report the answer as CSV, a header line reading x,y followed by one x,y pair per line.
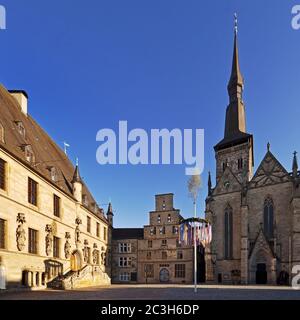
x,y
133,276
261,273
201,264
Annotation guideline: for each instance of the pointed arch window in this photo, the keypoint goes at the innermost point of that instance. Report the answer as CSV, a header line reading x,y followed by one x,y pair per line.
x,y
228,233
269,218
2,134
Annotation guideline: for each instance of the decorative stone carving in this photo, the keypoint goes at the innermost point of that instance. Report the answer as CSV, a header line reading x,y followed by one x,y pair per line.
x,y
67,245
86,255
95,254
77,231
103,258
20,232
49,239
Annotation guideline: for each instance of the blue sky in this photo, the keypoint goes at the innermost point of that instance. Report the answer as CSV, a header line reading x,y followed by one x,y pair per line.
x,y
157,64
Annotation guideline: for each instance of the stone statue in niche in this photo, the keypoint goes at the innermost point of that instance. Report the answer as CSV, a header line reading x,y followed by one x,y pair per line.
x,y
86,253
95,254
49,239
20,232
67,245
77,231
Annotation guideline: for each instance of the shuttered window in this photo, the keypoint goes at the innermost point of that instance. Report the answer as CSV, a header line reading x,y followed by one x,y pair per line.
x,y
56,205
56,242
88,225
32,191
2,174
2,234
98,230
32,241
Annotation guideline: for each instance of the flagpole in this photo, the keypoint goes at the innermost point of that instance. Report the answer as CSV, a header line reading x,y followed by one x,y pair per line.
x,y
195,249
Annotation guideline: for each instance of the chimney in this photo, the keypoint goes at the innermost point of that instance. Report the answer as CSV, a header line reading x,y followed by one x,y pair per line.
x,y
22,98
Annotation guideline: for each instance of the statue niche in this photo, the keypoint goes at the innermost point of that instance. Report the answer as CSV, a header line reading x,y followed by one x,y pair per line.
x,y
49,239
20,232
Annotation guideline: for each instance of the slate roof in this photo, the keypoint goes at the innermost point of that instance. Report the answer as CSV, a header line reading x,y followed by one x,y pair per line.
x,y
47,154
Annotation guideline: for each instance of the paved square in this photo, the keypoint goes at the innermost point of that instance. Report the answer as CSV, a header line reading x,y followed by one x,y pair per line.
x,y
160,292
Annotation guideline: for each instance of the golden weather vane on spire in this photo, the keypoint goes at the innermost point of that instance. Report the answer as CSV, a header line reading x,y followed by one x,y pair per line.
x,y
235,23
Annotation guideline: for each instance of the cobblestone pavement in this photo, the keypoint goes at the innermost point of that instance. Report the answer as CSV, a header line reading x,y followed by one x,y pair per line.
x,y
159,292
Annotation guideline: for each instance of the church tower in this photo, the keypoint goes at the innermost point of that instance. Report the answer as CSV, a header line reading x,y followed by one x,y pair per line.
x,y
236,148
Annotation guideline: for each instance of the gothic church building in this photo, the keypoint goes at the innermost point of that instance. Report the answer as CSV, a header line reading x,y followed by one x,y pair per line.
x,y
255,215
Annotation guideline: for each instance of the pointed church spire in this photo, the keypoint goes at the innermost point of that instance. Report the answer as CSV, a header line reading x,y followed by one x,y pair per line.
x,y
236,82
295,165
209,183
235,113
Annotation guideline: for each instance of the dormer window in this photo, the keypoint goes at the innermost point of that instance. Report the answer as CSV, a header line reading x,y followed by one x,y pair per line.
x,y
2,134
20,128
85,200
29,155
53,174
95,207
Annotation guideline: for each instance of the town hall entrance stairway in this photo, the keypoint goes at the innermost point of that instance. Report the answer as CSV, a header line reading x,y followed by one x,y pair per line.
x,y
86,277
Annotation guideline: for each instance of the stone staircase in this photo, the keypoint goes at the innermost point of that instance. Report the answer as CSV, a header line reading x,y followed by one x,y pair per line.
x,y
86,277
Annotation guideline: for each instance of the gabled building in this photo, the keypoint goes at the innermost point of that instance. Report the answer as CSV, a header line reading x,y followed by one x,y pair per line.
x,y
255,217
52,232
153,254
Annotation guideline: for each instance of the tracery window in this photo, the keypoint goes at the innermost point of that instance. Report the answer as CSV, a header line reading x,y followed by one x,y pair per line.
x,y
269,218
228,233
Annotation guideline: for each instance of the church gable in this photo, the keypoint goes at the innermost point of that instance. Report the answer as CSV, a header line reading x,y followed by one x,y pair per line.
x,y
227,183
270,171
261,250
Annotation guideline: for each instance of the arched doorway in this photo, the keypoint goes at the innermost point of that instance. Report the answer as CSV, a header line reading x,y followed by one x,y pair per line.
x,y
164,275
76,261
261,274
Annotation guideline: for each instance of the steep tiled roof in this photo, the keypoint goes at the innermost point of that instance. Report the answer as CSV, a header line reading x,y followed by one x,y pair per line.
x,y
47,154
127,233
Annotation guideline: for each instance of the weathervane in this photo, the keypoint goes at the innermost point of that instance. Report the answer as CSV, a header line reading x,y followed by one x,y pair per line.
x,y
235,24
66,145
